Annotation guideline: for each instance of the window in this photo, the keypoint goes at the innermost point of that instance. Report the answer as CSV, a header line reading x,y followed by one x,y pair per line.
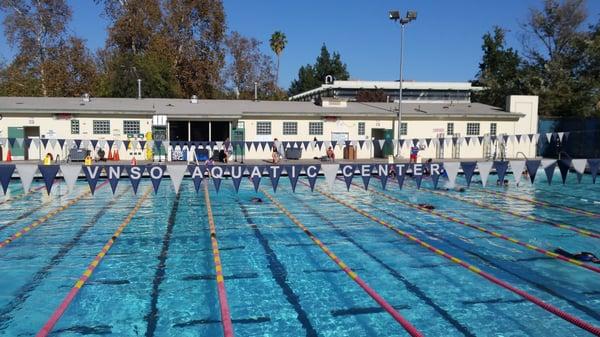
x,y
361,128
263,128
101,127
450,129
403,129
493,129
472,129
131,127
290,128
74,126
315,128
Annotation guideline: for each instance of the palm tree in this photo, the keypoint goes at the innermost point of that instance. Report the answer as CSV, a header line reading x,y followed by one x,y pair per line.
x,y
278,42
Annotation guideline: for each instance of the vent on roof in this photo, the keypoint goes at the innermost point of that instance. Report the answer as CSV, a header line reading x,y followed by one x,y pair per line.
x,y
194,99
85,97
329,102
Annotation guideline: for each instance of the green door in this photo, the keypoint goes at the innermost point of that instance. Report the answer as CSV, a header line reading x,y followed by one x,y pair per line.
x,y
237,135
388,147
16,132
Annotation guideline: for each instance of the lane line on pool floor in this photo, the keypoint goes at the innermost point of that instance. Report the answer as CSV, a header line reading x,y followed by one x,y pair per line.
x,y
370,291
25,290
57,314
570,209
22,195
225,312
580,231
546,306
487,231
413,288
48,216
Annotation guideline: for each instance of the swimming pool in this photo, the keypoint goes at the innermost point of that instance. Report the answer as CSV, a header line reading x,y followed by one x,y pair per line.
x,y
158,278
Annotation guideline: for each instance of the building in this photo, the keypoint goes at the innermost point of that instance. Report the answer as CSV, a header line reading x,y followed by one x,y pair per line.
x,y
439,125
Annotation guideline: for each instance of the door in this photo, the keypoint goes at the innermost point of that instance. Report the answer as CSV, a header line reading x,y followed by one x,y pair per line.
x,y
377,134
31,132
456,147
439,146
17,148
238,135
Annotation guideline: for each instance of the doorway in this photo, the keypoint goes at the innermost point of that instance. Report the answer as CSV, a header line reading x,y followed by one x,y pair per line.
x,y
31,132
377,134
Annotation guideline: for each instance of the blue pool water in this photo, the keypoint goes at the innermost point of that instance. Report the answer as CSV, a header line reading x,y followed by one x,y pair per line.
x,y
158,279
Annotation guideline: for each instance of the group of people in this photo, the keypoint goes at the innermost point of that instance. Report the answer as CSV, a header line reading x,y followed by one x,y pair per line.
x,y
278,152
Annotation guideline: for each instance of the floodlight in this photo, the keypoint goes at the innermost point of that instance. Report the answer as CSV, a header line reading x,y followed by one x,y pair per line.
x,y
394,15
411,15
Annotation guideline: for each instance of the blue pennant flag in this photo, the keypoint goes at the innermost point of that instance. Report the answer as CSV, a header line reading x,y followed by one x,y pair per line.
x,y
530,136
263,145
305,145
28,142
92,174
77,143
312,173
454,139
320,144
94,143
237,173
435,170
49,173
197,175
348,174
400,170
401,142
333,144
156,173
135,173
275,174
382,172
501,168
142,144
361,143
594,165
61,143
6,172
256,175
564,165
532,167
45,142
11,141
113,172
216,173
293,172
468,168
550,172
126,144
110,144
417,171
365,173
428,141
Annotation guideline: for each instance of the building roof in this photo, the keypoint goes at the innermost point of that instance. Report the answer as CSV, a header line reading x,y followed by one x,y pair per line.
x,y
235,109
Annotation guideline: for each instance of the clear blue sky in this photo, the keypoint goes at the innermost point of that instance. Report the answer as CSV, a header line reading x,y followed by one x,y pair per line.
x,y
444,44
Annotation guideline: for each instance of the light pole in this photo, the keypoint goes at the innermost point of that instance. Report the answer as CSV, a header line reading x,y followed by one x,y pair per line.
x,y
395,16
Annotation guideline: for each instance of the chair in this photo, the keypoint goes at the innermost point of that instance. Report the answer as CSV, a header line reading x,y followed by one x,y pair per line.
x,y
293,153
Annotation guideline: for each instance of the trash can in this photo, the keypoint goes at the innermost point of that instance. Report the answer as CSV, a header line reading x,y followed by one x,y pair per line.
x,y
350,152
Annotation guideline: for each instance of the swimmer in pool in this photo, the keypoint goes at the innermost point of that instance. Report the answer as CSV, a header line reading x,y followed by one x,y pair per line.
x,y
256,200
427,206
583,256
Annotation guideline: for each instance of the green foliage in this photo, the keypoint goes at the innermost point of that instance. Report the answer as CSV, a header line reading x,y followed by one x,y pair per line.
x,y
312,76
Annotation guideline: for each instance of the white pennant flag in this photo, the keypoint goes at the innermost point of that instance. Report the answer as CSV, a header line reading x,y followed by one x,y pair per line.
x,y
70,175
330,172
381,142
448,141
484,170
176,173
547,162
517,167
36,142
549,136
2,141
512,139
579,165
26,173
560,135
102,143
53,142
118,144
368,145
536,137
312,145
451,169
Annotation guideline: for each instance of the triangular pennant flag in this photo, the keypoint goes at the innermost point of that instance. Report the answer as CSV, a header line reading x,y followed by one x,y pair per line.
x,y
517,167
382,172
594,165
480,139
512,139
110,144
6,172
11,141
428,141
504,138
549,137
45,142
77,142
549,166
263,145
501,167
26,173
135,173
293,172
61,142
380,142
142,143
530,136
417,177
113,173
28,142
451,169
560,136
274,175
434,171
176,173
126,144
468,140
94,143
197,173
256,173
237,173
333,144
70,174
361,143
156,173
53,142
532,167
365,172
49,173
92,174
579,166
320,144
348,174
101,143
484,170
564,165
330,172
518,138
468,169
312,173
248,146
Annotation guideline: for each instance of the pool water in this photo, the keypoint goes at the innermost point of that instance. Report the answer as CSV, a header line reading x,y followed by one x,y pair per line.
x,y
158,279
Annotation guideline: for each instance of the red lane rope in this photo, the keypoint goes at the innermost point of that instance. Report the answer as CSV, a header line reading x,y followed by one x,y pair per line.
x,y
46,217
546,306
225,312
374,295
55,317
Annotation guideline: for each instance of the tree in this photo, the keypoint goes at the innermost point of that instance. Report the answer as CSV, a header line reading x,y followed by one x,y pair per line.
x,y
249,65
312,76
278,42
499,70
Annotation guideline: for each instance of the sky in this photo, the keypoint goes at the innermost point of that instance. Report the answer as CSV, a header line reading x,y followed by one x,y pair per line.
x,y
443,44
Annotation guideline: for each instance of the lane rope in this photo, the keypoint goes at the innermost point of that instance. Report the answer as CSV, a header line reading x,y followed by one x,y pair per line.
x,y
487,231
225,312
47,328
47,217
378,298
569,209
520,215
546,306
